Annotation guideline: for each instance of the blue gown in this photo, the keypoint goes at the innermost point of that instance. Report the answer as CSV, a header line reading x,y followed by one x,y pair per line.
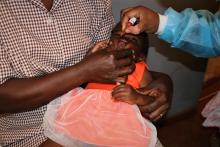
x,y
196,32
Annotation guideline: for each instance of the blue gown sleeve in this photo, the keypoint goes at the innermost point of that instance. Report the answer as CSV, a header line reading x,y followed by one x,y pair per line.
x,y
196,32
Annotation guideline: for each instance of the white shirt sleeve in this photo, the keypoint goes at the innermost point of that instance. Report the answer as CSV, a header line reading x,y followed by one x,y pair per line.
x,y
162,23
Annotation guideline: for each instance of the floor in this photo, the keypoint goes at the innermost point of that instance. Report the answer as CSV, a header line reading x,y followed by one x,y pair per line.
x,y
186,130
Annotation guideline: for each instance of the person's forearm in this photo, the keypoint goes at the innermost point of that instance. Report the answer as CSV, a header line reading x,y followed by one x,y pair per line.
x,y
196,32
18,95
25,94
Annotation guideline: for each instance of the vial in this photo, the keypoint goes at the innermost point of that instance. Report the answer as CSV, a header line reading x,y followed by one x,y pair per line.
x,y
133,21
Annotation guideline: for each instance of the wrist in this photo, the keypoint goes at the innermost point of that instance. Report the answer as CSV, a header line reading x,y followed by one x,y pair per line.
x,y
83,72
154,19
162,23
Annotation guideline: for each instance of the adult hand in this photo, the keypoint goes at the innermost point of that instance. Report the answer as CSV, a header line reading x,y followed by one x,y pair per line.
x,y
108,66
159,106
148,20
98,46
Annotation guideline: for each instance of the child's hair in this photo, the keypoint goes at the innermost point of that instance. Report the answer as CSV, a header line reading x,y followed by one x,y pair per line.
x,y
143,37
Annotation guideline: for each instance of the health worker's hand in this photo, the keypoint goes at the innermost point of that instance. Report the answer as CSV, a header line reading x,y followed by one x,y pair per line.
x,y
148,20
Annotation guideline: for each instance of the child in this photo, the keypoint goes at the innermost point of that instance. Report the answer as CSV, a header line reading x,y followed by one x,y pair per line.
x,y
106,114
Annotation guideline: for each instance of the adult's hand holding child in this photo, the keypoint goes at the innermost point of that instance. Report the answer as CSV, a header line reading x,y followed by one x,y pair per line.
x,y
157,105
108,66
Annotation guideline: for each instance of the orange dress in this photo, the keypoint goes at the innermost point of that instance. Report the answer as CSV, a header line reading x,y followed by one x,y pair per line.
x,y
91,117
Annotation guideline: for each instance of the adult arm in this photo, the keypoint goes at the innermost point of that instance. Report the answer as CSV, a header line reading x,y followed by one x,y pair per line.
x,y
196,32
23,94
18,95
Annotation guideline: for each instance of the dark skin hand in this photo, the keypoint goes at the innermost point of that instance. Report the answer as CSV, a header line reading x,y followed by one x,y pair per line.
x,y
161,103
17,95
148,20
120,60
151,99
126,93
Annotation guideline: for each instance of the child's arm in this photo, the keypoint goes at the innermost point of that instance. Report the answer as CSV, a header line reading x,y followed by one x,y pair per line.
x,y
153,98
126,93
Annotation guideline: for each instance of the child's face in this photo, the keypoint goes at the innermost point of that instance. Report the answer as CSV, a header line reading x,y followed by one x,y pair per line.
x,y
126,41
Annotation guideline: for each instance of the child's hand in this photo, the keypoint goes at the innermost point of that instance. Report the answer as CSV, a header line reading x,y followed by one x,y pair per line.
x,y
125,93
